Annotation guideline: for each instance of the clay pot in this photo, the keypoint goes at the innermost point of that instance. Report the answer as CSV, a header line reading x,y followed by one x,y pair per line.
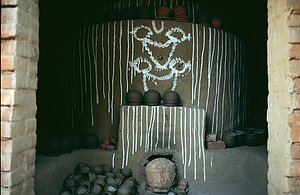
x,y
52,146
134,98
96,189
152,98
76,141
126,172
90,141
76,177
216,22
171,98
98,170
66,145
69,183
66,192
99,181
111,188
83,189
124,190
163,13
179,10
240,136
230,139
160,175
254,136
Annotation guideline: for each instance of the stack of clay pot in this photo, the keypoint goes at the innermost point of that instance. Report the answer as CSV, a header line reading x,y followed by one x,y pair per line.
x,y
109,144
180,14
99,180
163,13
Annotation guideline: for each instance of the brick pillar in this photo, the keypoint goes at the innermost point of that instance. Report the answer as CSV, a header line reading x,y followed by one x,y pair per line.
x,y
284,97
19,57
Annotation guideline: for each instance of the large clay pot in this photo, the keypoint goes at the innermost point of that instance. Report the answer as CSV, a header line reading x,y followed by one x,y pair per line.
x,y
171,98
216,22
240,137
152,98
66,144
90,141
134,98
230,139
254,136
160,175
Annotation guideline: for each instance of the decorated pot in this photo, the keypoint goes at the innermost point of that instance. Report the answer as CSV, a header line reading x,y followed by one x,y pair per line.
x,y
134,98
171,98
152,98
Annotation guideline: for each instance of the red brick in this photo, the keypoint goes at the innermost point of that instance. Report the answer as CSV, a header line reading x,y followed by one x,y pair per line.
x,y
294,35
7,97
293,5
294,185
216,145
7,62
294,19
9,2
294,119
295,168
8,80
294,67
295,151
8,47
5,130
6,113
294,52
8,31
295,134
9,15
297,85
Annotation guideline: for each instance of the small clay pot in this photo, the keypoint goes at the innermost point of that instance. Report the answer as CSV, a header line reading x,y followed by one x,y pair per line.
x,y
111,188
96,189
152,98
76,141
171,98
124,190
66,145
240,136
216,22
163,13
126,172
99,181
52,146
98,170
90,141
230,139
69,183
134,98
254,136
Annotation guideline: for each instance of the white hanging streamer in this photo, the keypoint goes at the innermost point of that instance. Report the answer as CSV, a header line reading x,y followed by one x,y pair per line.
x,y
202,62
127,58
170,128
103,58
120,63
127,135
113,74
133,129
141,134
95,52
123,141
90,76
193,56
108,68
164,126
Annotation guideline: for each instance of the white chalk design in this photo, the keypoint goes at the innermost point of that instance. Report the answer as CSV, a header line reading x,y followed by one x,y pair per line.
x,y
176,66
188,145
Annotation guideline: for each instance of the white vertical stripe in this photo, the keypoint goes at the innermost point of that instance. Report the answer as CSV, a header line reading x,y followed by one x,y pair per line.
x,y
120,63
123,144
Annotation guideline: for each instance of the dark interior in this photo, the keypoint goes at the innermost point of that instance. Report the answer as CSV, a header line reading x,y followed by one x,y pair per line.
x,y
58,18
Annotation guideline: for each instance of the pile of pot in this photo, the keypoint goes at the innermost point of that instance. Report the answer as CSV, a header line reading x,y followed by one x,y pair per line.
x,y
152,98
99,180
247,136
